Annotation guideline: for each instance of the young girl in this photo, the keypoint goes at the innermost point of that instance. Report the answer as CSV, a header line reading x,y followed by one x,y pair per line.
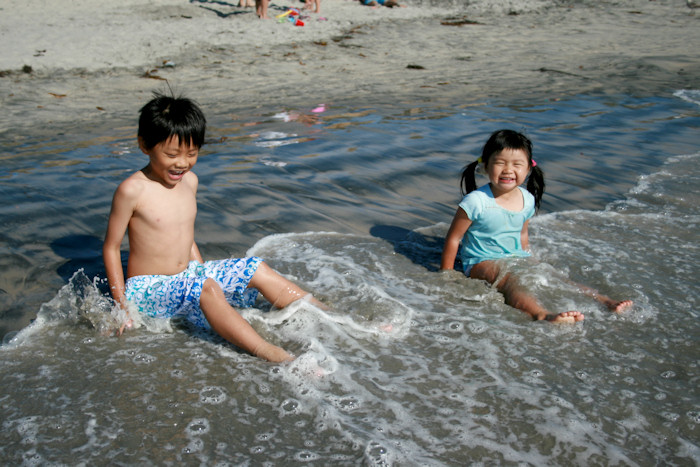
x,y
491,223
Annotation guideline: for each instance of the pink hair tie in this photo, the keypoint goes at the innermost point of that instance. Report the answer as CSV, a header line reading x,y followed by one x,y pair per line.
x,y
534,164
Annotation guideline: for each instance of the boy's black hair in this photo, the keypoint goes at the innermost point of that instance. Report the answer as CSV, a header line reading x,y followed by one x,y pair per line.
x,y
500,140
164,116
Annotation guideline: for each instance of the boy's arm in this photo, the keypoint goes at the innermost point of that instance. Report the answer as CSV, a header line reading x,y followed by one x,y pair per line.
x,y
195,255
460,225
123,204
193,181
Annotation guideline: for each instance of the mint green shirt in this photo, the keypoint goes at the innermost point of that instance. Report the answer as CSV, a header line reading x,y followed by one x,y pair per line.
x,y
494,232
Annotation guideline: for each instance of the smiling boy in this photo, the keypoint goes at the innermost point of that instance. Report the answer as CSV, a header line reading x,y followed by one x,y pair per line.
x,y
166,276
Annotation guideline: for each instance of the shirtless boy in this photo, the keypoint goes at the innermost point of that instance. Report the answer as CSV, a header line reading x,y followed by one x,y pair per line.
x,y
166,275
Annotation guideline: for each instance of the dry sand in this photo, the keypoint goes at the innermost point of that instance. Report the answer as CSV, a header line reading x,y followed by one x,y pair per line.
x,y
85,65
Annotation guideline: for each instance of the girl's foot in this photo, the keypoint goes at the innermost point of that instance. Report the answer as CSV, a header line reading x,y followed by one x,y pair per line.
x,y
567,317
616,306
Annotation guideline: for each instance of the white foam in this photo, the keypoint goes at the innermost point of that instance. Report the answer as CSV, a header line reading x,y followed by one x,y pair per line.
x,y
461,373
689,95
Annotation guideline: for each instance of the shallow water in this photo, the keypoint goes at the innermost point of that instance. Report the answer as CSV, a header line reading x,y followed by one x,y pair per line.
x,y
409,366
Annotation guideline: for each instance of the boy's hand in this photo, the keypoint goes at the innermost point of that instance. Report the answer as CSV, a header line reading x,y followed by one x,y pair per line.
x,y
127,324
272,353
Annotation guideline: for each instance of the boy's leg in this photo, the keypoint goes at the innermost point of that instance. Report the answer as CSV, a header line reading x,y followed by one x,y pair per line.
x,y
230,325
276,289
516,296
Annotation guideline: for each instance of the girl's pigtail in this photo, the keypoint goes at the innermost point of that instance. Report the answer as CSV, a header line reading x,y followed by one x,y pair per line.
x,y
535,184
468,182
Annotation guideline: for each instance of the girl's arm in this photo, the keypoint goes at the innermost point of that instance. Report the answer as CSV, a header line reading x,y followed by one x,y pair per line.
x,y
460,225
525,237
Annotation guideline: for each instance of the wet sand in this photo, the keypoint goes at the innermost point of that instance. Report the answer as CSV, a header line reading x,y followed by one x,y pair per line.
x,y
84,66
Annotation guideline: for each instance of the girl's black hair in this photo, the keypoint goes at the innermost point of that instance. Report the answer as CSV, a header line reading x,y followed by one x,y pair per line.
x,y
500,140
164,116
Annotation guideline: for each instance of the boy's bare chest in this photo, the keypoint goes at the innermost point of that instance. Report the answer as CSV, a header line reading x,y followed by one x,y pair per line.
x,y
174,209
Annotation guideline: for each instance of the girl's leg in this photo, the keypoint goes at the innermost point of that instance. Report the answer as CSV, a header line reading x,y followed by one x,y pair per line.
x,y
616,306
230,325
276,289
516,296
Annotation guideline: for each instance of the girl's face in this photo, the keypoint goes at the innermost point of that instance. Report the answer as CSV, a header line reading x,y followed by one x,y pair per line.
x,y
507,170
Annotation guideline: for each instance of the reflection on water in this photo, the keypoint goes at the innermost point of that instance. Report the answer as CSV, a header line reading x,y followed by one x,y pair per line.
x,y
409,366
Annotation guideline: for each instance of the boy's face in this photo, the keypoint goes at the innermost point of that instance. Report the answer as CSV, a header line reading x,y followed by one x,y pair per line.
x,y
170,160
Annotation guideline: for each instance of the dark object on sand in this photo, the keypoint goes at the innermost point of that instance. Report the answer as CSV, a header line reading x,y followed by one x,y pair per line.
x,y
458,22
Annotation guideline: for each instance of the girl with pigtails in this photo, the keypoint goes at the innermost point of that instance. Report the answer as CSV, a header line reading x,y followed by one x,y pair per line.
x,y
491,223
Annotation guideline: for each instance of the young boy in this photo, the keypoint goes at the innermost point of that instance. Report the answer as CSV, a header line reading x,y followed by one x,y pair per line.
x,y
166,275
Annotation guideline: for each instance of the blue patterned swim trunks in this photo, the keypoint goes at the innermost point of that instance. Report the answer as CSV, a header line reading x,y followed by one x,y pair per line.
x,y
161,296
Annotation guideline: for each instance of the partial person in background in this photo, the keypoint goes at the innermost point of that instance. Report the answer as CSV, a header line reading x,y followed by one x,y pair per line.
x,y
386,3
261,8
313,5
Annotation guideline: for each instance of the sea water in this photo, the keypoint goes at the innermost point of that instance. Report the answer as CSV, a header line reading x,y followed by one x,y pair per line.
x,y
408,366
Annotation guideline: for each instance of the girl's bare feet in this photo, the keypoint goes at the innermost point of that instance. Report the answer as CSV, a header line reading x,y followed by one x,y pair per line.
x,y
616,306
567,317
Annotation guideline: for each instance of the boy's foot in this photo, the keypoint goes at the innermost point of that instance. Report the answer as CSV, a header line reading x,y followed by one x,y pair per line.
x,y
567,317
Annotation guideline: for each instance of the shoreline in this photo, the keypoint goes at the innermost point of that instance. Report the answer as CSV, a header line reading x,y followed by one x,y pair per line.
x,y
348,56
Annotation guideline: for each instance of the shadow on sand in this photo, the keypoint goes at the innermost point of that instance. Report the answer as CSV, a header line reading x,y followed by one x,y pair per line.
x,y
423,247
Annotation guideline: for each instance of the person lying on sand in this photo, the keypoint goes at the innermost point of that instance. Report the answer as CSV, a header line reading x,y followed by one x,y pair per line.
x,y
386,3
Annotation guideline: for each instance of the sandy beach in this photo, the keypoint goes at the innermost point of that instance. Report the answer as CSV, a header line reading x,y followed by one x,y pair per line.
x,y
69,66
406,365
